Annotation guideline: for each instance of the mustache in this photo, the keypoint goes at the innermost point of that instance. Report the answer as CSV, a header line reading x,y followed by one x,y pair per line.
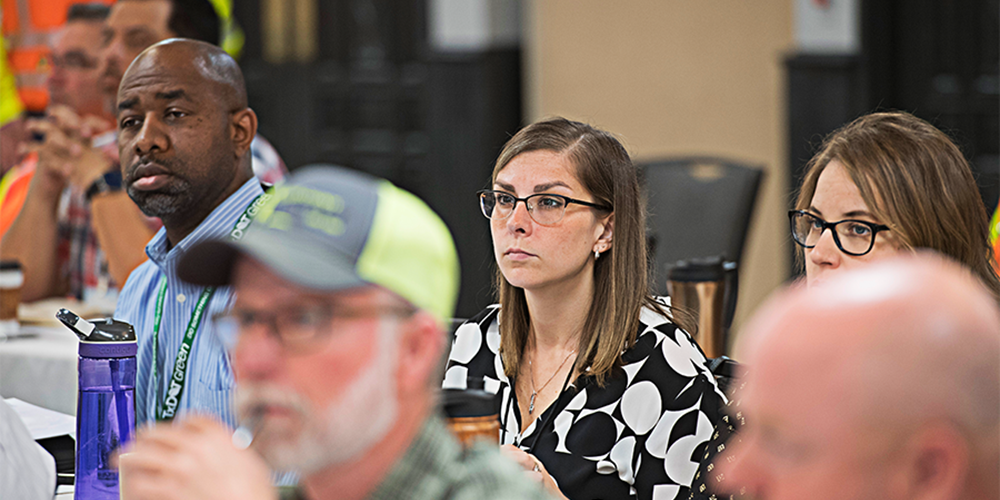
x,y
253,399
147,166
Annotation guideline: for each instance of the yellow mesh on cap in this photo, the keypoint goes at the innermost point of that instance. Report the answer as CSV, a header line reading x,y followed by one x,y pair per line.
x,y
410,251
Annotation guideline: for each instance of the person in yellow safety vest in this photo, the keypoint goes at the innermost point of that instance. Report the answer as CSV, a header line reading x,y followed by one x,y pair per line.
x,y
11,128
10,103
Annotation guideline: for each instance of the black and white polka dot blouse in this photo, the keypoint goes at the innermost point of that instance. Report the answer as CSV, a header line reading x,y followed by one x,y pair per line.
x,y
641,436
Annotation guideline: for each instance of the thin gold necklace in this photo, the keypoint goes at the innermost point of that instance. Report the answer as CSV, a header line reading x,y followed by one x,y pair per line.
x,y
531,373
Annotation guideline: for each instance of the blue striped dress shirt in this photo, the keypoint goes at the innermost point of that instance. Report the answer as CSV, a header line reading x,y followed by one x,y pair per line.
x,y
209,385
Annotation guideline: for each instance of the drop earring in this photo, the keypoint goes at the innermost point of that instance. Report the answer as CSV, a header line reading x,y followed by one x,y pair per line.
x,y
597,253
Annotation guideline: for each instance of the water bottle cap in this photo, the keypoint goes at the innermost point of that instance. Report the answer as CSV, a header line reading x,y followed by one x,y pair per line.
x,y
110,338
106,349
111,330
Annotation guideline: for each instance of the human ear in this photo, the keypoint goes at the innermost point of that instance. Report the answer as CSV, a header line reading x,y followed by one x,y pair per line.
x,y
244,128
421,344
606,230
936,464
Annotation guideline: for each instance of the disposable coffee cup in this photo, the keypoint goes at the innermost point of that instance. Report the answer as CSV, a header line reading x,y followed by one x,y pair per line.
x,y
11,280
472,413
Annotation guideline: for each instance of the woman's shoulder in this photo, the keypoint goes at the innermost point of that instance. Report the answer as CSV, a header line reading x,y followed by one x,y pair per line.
x,y
484,326
484,317
656,315
665,355
659,335
473,331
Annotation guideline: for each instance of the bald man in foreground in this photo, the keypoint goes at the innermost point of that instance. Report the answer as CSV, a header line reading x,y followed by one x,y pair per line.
x,y
184,134
881,383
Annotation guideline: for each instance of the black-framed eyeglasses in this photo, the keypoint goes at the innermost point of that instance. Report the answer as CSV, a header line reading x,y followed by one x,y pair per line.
x,y
298,328
853,237
544,208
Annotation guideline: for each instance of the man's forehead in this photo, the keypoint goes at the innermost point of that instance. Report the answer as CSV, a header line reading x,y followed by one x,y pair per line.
x,y
131,14
83,45
160,87
77,32
182,60
251,275
154,74
804,323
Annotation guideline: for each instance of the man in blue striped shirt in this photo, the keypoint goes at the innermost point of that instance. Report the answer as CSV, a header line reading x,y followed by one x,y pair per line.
x,y
184,134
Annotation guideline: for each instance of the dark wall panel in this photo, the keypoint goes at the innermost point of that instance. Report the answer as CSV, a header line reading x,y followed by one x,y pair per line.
x,y
378,99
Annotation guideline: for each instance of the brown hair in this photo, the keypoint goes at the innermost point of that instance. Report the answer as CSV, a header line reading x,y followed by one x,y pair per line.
x,y
915,180
621,282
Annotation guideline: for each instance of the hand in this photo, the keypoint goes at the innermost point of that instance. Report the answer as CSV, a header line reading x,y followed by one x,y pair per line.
x,y
74,125
11,133
66,155
195,459
89,162
534,469
52,169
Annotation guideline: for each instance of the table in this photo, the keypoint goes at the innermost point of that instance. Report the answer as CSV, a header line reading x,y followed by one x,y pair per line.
x,y
39,366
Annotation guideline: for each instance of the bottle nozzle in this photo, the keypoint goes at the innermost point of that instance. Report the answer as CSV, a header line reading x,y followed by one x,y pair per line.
x,y
80,326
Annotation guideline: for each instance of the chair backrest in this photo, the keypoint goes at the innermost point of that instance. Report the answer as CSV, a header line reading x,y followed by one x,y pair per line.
x,y
726,371
698,207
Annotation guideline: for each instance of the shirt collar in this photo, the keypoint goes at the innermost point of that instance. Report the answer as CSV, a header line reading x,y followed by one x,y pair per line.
x,y
218,223
432,455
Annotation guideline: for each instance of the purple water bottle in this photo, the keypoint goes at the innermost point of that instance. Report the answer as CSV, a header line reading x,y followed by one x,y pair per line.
x,y
105,411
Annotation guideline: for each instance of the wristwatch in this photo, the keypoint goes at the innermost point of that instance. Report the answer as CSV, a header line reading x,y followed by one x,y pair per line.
x,y
107,183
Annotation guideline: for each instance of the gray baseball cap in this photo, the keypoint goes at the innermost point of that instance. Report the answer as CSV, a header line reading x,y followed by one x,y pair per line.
x,y
331,228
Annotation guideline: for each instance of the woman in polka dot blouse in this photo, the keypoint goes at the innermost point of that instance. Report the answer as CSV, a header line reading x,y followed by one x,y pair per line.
x,y
602,396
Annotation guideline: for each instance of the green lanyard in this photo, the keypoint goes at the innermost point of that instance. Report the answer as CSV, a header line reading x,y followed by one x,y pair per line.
x,y
178,379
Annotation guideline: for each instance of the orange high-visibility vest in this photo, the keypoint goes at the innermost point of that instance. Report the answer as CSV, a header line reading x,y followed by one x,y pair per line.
x,y
28,26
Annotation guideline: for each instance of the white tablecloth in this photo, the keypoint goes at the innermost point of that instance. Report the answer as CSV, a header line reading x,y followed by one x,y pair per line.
x,y
41,368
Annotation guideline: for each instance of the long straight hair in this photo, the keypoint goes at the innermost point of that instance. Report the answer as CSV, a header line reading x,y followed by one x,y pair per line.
x,y
915,180
621,281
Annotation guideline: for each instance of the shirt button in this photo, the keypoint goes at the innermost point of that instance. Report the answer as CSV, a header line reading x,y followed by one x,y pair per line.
x,y
181,297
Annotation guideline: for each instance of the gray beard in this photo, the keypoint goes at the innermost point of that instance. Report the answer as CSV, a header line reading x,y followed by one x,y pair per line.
x,y
345,429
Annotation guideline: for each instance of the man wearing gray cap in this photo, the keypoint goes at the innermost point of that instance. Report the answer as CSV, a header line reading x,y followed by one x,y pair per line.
x,y
343,284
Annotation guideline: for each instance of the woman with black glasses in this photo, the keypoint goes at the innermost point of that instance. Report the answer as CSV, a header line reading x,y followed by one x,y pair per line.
x,y
883,184
601,394
889,182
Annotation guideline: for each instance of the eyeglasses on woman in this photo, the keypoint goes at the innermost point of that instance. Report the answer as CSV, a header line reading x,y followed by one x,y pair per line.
x,y
544,208
853,237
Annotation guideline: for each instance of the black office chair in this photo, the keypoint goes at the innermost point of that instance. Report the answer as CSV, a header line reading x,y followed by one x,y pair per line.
x,y
726,371
699,207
